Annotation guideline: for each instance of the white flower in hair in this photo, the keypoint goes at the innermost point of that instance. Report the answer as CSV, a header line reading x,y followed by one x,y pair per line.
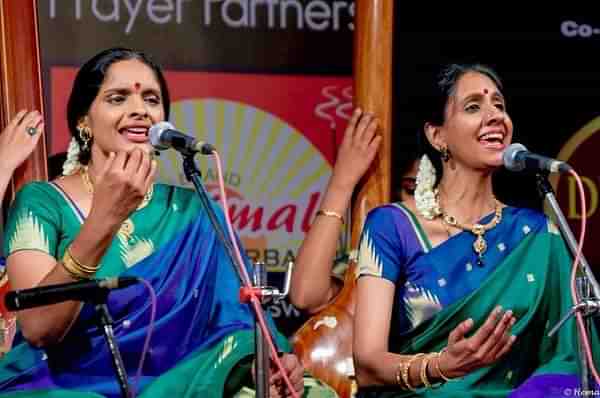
x,y
425,195
72,165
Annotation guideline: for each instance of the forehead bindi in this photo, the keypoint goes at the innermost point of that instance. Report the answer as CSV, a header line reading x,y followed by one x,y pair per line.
x,y
131,75
476,84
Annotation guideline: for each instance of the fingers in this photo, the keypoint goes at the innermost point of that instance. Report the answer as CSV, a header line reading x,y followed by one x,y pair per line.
x,y
373,147
120,160
506,347
486,329
507,339
31,119
352,124
15,121
498,335
151,174
108,164
366,129
294,371
133,162
460,331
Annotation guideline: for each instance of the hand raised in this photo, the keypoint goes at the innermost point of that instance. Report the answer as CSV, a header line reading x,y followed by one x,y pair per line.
x,y
17,142
491,341
358,149
122,183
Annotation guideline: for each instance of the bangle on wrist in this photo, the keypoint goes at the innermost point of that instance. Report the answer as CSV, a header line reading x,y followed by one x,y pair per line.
x,y
331,213
75,268
399,375
424,378
438,368
406,371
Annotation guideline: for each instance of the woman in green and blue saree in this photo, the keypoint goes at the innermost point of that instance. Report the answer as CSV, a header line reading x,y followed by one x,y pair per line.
x,y
457,291
106,217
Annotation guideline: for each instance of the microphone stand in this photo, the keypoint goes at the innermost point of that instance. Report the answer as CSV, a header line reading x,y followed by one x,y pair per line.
x,y
105,322
193,175
588,290
259,289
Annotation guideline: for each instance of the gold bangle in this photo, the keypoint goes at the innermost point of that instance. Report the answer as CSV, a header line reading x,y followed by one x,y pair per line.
x,y
424,378
437,366
330,213
75,268
406,370
398,375
69,266
84,267
423,371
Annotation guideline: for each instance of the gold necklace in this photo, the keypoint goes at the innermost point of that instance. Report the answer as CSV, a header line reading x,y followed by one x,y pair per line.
x,y
479,230
127,227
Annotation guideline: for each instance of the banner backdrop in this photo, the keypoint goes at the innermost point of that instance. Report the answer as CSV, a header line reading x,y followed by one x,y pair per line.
x,y
268,82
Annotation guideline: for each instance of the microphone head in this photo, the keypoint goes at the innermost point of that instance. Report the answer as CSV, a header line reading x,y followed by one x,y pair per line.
x,y
155,134
509,157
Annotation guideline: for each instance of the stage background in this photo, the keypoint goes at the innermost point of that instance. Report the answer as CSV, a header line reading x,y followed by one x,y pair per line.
x,y
270,86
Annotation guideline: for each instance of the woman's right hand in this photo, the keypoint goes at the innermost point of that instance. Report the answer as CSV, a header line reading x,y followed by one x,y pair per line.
x,y
122,184
358,149
491,341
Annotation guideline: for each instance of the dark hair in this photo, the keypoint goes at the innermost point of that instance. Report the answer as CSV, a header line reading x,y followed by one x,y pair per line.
x,y
445,87
91,76
55,165
446,83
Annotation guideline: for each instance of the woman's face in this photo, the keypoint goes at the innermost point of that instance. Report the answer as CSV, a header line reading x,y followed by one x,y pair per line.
x,y
128,103
477,128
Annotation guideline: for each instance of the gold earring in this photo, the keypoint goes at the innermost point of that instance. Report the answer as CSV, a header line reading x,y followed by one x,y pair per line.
x,y
86,135
444,153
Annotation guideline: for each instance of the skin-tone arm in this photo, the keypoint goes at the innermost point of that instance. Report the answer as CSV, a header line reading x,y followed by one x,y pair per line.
x,y
16,144
118,190
312,286
375,365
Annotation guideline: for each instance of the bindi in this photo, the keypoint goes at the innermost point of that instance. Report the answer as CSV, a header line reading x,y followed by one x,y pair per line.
x,y
137,86
485,91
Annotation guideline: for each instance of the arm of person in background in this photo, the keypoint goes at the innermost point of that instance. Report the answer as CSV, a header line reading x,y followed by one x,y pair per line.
x,y
312,286
16,144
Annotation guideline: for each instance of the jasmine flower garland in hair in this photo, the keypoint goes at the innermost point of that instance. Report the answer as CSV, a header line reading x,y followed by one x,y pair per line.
x,y
425,195
72,165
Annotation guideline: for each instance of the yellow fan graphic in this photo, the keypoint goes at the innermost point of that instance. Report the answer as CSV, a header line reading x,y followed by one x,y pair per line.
x,y
274,176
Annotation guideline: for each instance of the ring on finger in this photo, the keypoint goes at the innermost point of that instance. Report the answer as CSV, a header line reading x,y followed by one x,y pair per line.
x,y
31,131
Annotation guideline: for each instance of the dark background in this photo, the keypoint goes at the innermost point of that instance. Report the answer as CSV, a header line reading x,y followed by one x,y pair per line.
x,y
551,82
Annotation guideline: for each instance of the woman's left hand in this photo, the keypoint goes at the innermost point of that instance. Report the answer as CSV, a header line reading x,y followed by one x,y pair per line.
x,y
295,372
16,142
357,150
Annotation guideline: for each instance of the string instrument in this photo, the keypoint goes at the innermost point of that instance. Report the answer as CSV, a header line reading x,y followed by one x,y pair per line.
x,y
324,342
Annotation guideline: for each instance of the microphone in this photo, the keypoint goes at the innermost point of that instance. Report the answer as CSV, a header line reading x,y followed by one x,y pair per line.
x,y
164,136
517,158
90,290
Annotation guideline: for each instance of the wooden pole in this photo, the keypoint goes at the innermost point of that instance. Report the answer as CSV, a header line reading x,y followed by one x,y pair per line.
x,y
373,39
